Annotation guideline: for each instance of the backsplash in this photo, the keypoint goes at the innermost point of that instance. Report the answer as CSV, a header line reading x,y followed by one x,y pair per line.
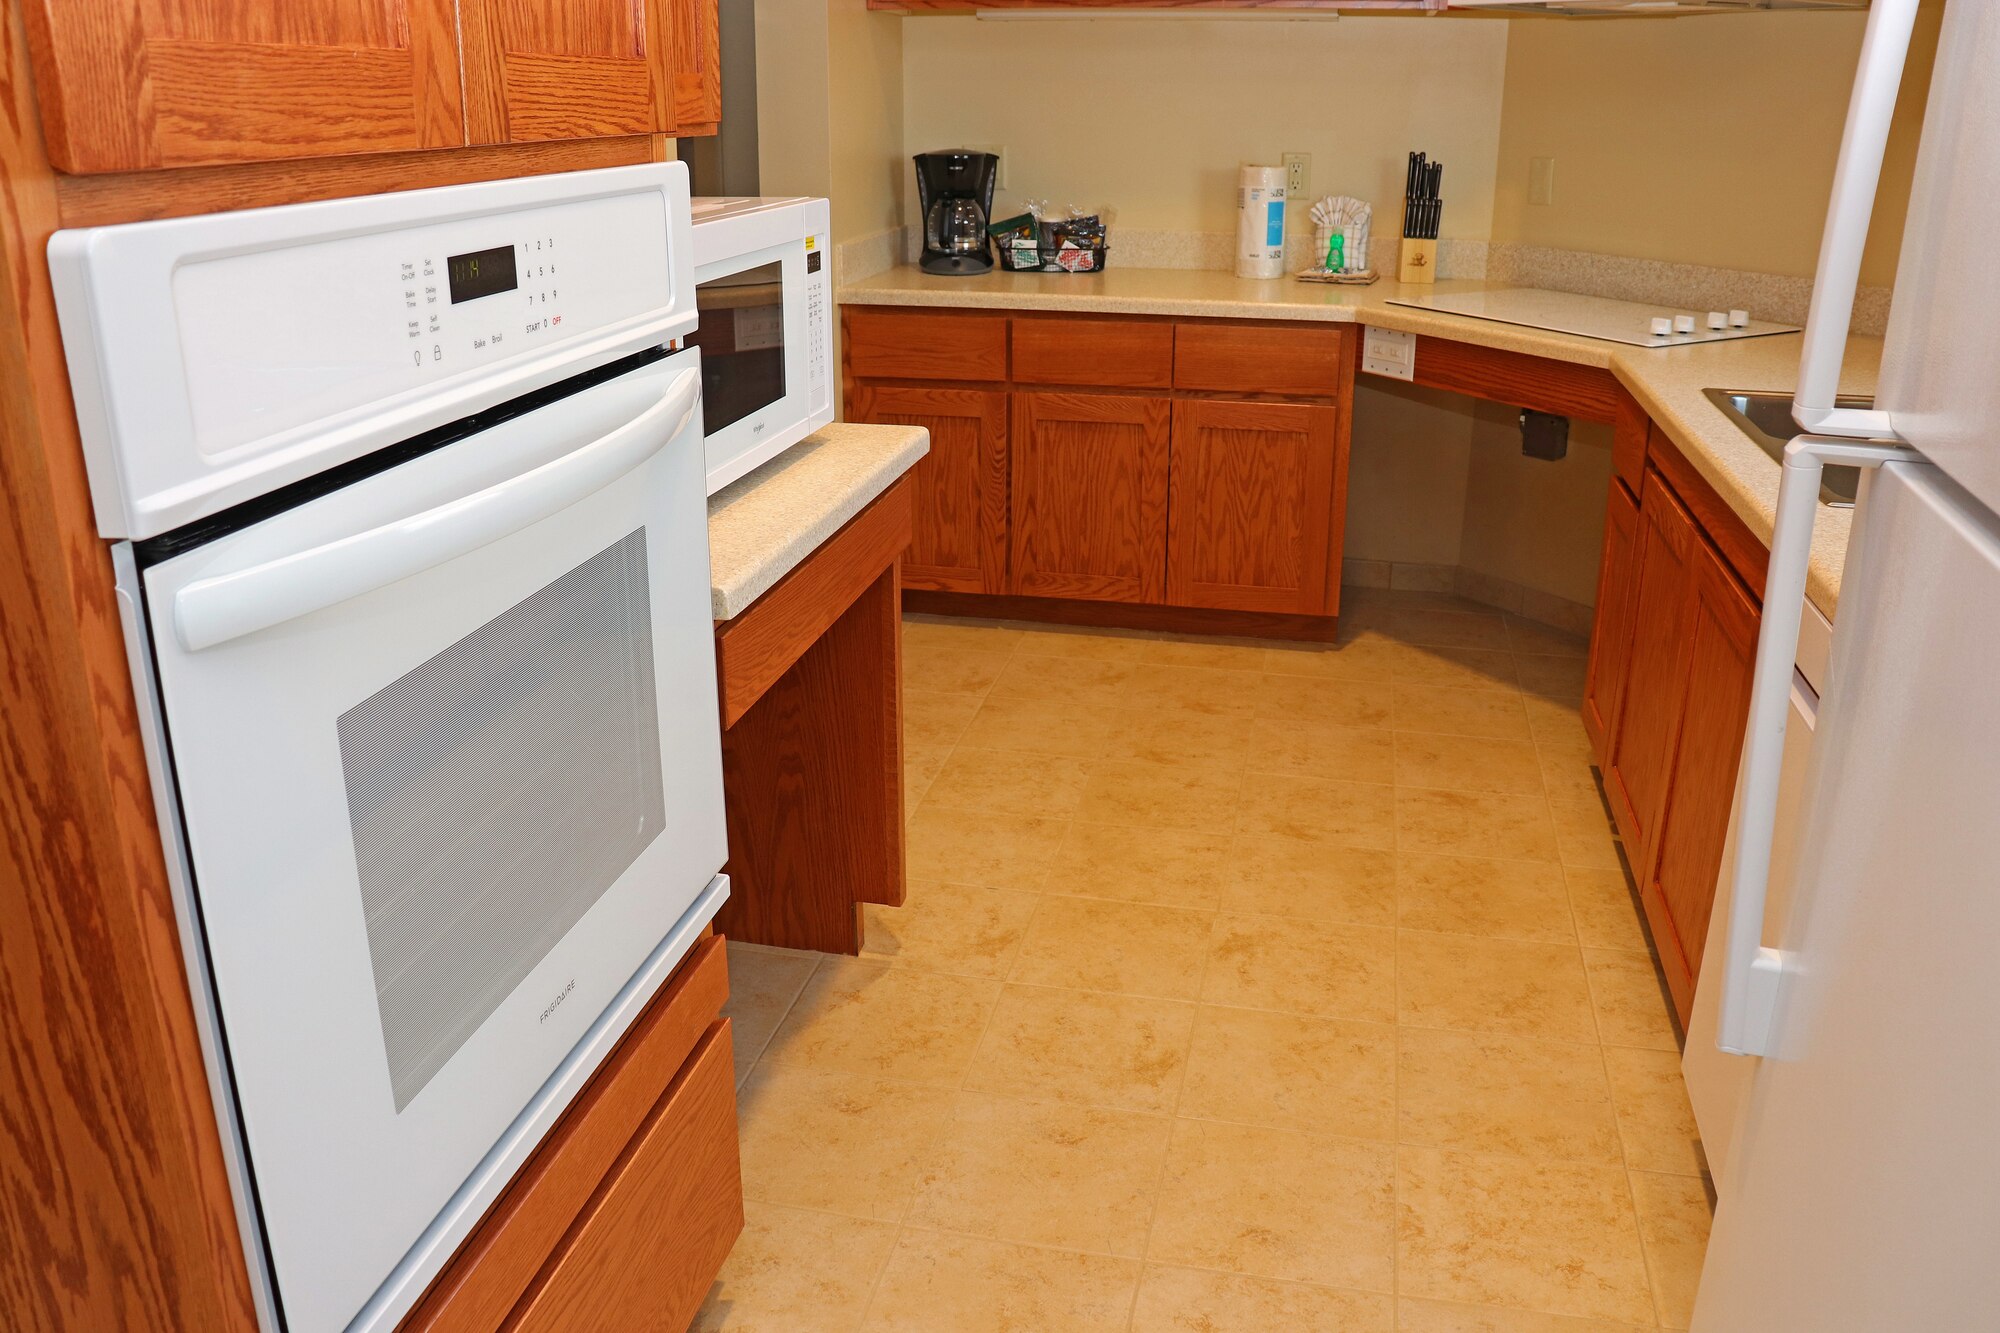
x,y
1657,282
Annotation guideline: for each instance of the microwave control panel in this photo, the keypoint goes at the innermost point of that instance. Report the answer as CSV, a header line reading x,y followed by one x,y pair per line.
x,y
819,317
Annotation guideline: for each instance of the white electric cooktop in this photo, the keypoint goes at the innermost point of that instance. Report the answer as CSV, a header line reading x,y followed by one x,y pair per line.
x,y
1591,316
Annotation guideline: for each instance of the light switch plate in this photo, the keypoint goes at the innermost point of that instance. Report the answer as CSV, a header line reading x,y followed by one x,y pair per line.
x,y
1387,352
1541,180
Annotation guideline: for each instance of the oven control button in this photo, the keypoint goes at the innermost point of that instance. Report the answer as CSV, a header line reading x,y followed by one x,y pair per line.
x,y
437,351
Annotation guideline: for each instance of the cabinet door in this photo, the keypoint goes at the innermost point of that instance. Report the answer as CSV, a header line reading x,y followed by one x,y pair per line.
x,y
958,491
696,66
1642,744
1611,631
567,69
1088,515
1254,506
1679,890
177,83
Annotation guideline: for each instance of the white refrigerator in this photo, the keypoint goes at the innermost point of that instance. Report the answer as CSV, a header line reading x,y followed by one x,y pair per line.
x,y
1861,1186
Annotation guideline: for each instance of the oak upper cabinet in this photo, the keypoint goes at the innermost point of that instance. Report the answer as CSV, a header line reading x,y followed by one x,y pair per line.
x,y
579,69
1088,516
1678,888
1255,505
176,83
958,490
1611,630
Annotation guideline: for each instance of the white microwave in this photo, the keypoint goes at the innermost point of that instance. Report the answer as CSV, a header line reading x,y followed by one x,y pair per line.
x,y
764,293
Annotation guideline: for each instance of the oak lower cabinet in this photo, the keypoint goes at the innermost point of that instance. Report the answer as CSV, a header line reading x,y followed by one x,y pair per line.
x,y
1087,513
624,1214
958,539
1667,695
1255,493
1192,466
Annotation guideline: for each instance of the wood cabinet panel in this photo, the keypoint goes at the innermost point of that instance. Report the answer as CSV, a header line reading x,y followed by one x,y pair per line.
x,y
1108,353
1611,628
1266,358
761,643
651,1239
1679,888
1590,392
1630,429
1742,550
901,345
170,83
488,1275
958,491
566,69
1251,511
694,64
1642,744
1088,512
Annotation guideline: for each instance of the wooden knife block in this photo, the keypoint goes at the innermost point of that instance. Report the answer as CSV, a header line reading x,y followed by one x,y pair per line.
x,y
1418,260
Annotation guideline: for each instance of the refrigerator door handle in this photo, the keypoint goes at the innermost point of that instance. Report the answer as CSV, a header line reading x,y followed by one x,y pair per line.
x,y
1752,973
1884,48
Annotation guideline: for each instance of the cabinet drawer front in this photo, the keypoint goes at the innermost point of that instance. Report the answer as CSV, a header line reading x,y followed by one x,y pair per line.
x,y
499,1262
1242,358
651,1240
1115,353
899,345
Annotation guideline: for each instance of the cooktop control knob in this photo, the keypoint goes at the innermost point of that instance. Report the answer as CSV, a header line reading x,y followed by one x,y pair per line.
x,y
1739,319
1662,326
1717,320
1683,323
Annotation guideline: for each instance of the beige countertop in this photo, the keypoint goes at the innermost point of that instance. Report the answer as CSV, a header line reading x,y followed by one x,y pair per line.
x,y
764,524
1667,381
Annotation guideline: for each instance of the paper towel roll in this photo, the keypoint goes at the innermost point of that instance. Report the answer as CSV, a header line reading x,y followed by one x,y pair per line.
x,y
1260,222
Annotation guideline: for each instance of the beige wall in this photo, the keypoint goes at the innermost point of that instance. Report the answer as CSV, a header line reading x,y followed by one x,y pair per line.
x,y
1153,117
1529,521
1696,140
1406,473
865,110
794,138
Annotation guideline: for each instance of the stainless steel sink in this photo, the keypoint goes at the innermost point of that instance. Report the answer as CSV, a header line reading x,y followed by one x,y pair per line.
x,y
1767,419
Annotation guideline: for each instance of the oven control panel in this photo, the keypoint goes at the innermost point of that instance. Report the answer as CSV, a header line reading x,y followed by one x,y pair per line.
x,y
281,337
218,357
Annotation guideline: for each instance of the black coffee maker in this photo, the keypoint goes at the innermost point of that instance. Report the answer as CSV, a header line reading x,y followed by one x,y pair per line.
x,y
955,200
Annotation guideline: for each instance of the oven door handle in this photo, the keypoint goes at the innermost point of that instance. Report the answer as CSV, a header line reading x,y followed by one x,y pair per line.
x,y
215,610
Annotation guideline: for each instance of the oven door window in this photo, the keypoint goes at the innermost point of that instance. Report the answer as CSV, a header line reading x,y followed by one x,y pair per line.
x,y
742,341
494,793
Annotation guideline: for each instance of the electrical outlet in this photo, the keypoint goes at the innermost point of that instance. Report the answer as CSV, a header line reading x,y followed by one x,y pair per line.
x,y
1541,180
1298,174
999,151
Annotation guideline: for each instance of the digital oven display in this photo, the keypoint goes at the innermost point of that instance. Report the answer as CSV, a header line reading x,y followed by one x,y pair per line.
x,y
481,273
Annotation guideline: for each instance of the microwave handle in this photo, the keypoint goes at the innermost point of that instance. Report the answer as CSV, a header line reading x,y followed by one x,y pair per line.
x,y
1884,48
215,610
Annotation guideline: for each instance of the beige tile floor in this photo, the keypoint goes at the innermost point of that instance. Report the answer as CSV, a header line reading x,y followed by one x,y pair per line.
x,y
1240,987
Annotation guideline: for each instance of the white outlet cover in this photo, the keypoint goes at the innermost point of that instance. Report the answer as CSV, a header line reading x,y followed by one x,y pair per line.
x,y
1388,352
1298,174
999,151
1541,180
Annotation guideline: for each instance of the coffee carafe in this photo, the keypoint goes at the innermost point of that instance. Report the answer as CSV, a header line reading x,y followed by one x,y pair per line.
x,y
955,199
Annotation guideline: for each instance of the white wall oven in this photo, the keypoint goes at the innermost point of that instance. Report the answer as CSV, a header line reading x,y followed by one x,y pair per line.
x,y
764,285
407,503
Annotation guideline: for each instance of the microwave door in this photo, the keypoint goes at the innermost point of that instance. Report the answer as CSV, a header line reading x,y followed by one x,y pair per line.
x,y
757,371
445,747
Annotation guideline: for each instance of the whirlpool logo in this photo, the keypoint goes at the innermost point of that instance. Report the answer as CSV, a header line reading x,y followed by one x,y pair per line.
x,y
556,1003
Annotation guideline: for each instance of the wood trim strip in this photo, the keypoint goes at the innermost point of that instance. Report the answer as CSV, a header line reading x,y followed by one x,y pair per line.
x,y
1589,392
502,1258
1122,615
757,647
90,201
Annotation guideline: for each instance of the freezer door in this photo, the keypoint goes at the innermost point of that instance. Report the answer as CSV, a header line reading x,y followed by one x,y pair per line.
x,y
1862,1189
1938,382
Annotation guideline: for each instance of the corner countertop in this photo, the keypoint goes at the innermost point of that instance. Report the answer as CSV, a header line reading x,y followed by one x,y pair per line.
x,y
1667,381
765,523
